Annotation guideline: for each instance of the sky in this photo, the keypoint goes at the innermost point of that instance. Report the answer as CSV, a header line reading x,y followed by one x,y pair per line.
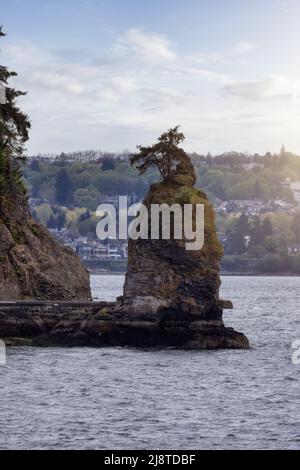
x,y
112,74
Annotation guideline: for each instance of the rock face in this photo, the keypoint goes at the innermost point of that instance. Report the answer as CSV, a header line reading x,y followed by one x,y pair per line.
x,y
175,288
33,265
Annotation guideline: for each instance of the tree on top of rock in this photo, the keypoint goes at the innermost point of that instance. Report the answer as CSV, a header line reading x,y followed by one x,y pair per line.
x,y
14,124
166,155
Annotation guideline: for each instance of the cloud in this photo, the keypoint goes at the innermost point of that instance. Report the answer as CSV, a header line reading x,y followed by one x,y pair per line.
x,y
205,74
138,86
150,47
241,48
225,56
109,77
271,88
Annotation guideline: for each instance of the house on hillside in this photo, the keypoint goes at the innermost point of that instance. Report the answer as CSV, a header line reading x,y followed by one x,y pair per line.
x,y
295,187
251,166
294,249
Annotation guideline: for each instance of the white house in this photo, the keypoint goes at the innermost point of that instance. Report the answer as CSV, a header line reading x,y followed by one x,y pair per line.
x,y
295,187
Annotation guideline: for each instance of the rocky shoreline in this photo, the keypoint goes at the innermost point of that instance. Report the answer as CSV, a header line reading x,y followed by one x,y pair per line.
x,y
105,325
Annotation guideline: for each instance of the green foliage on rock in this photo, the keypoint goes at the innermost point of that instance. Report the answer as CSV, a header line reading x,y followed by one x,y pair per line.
x,y
165,155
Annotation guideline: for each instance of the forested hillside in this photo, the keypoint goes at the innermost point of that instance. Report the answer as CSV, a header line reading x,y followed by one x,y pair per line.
x,y
83,179
258,216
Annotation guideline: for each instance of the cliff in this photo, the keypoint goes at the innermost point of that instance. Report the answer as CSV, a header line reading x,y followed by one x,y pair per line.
x,y
173,287
33,265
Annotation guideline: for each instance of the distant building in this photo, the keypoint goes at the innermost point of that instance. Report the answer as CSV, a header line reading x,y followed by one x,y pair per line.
x,y
114,253
283,207
238,207
82,240
100,251
286,183
113,200
294,249
84,251
295,187
251,166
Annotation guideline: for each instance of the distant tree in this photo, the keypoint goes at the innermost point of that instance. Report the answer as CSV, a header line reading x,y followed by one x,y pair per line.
x,y
43,213
271,264
85,216
267,228
140,187
296,263
295,226
230,262
88,198
257,232
35,165
237,230
241,190
258,191
108,164
271,243
61,220
282,151
87,227
63,187
235,243
63,156
165,154
268,155
52,222
257,250
243,224
209,159
217,189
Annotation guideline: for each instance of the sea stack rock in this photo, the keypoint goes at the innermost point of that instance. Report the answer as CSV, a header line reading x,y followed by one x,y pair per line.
x,y
33,265
175,288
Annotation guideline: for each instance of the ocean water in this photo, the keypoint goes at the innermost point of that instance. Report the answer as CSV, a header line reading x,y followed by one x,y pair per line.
x,y
85,398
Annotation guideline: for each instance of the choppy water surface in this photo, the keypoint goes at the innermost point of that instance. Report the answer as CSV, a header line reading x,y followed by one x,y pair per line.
x,y
86,398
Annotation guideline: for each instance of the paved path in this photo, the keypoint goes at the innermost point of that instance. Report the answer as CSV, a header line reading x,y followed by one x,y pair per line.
x,y
53,303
